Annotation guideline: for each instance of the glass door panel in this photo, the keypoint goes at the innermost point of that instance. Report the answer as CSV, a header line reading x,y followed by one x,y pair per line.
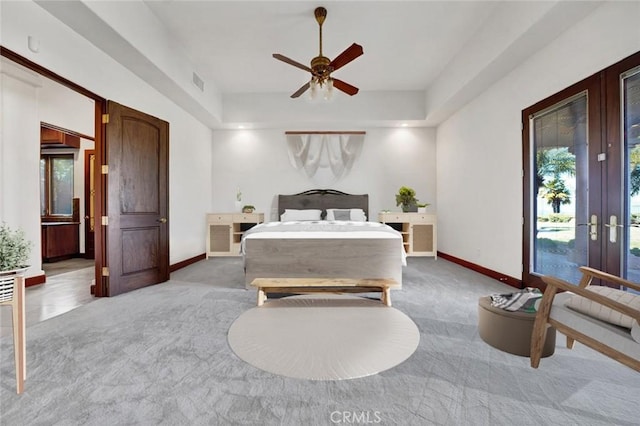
x,y
630,117
562,226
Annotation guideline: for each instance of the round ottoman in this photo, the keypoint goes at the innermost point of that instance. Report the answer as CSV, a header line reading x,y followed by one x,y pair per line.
x,y
510,331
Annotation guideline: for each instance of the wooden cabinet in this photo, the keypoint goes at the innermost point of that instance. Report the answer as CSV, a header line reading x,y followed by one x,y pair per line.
x,y
419,231
224,231
56,138
60,240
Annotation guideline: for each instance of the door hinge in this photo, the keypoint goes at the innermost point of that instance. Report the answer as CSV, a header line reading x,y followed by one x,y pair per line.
x,y
105,285
105,271
105,220
105,169
105,118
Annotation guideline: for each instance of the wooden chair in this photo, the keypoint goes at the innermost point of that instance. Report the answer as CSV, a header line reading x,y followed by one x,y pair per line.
x,y
606,338
12,293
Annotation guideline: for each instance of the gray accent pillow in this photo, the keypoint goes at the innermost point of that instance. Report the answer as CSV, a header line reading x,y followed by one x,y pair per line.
x,y
342,214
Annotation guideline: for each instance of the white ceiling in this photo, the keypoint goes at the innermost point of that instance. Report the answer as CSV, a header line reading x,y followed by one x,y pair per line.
x,y
406,44
422,60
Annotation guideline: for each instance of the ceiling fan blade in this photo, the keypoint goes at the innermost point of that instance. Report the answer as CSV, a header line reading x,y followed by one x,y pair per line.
x,y
301,90
350,53
345,87
291,62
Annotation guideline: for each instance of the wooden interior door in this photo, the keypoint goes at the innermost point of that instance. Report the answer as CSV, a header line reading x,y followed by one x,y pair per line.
x,y
137,153
89,203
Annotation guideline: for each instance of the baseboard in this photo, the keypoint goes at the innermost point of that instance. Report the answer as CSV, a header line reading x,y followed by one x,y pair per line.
x,y
187,262
35,280
513,282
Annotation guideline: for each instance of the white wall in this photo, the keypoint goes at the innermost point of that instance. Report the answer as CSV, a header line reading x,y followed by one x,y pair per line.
x,y
69,55
20,146
63,107
257,162
480,147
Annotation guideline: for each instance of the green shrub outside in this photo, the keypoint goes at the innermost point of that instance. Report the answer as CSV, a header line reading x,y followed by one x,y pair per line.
x,y
560,218
557,218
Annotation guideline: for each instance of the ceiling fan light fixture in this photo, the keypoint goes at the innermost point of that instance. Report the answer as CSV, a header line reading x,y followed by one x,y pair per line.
x,y
328,90
313,92
320,89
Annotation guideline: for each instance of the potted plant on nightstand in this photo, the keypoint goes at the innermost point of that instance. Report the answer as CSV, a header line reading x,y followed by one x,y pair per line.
x,y
422,207
248,208
14,251
406,197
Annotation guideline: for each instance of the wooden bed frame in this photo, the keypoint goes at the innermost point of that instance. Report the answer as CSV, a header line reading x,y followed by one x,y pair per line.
x,y
323,257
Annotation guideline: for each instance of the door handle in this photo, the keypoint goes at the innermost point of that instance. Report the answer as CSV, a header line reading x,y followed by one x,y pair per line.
x,y
613,228
593,227
162,220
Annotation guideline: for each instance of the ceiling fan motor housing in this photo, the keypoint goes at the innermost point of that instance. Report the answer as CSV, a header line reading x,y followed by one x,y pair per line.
x,y
320,67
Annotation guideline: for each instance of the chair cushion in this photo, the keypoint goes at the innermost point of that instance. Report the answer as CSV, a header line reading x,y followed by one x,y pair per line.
x,y
596,310
635,331
616,337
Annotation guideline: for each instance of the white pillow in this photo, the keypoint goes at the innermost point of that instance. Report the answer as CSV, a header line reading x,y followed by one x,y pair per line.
x,y
354,214
596,310
309,214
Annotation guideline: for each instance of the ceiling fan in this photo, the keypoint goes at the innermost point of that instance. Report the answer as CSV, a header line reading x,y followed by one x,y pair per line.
x,y
322,67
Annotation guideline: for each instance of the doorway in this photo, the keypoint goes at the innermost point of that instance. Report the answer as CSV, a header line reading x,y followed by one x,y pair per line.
x,y
147,137
64,184
581,152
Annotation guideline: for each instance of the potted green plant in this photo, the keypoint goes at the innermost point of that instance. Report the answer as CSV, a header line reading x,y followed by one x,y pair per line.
x,y
14,250
406,197
248,208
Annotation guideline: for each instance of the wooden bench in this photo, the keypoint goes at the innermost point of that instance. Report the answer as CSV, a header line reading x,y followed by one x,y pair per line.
x,y
324,285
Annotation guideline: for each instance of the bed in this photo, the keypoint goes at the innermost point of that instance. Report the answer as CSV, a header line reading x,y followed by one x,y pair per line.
x,y
366,250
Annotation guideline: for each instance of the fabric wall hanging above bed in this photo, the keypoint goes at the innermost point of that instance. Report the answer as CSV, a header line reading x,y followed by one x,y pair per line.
x,y
324,157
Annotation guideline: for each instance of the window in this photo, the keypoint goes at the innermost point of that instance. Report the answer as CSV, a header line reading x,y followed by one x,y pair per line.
x,y
56,186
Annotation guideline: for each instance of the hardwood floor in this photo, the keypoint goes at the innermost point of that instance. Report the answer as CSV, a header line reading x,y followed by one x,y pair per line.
x,y
64,266
68,286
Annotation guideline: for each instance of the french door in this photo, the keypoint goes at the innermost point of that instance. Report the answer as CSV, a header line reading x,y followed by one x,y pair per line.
x,y
581,151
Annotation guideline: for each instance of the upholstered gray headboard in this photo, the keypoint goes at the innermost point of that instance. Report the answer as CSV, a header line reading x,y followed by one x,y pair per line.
x,y
323,199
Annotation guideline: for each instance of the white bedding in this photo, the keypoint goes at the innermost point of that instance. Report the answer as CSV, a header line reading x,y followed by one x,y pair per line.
x,y
324,229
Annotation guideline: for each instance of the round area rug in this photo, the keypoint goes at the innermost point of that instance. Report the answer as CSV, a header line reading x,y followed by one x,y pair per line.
x,y
323,337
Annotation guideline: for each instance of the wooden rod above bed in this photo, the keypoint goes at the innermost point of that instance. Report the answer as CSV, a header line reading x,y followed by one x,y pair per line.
x,y
316,132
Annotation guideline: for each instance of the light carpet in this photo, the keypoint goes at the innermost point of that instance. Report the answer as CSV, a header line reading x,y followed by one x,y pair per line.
x,y
324,337
160,356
